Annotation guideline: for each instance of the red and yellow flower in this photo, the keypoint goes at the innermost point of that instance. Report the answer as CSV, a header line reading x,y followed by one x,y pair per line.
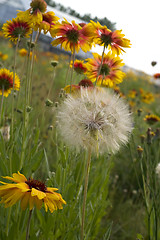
x,y
16,28
101,35
79,66
71,36
30,192
110,73
34,14
156,75
48,21
6,82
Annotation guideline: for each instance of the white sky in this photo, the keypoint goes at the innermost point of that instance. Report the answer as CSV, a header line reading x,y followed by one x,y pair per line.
x,y
139,21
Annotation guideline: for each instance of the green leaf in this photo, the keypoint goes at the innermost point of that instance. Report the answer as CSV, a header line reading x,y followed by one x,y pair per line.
x,y
139,237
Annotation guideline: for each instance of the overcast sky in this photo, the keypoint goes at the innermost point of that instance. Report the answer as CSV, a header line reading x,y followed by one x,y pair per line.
x,y
139,21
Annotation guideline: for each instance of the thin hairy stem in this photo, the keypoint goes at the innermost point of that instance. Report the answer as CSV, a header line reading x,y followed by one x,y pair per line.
x,y
85,192
28,224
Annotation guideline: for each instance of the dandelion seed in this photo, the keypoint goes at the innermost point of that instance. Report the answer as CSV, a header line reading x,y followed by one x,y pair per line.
x,y
5,131
98,120
158,169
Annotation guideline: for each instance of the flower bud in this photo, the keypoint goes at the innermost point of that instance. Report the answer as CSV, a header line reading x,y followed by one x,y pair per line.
x,y
49,103
140,151
31,44
29,109
54,63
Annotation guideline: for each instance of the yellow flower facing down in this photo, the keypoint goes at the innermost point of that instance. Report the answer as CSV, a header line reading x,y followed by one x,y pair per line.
x,y
110,73
71,36
79,66
30,192
34,14
16,28
48,21
6,82
101,35
151,118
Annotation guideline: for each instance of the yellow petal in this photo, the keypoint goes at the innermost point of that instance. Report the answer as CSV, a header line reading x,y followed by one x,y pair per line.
x,y
25,200
37,193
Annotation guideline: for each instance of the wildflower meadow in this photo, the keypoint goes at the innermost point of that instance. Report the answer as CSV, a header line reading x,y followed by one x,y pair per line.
x,y
79,138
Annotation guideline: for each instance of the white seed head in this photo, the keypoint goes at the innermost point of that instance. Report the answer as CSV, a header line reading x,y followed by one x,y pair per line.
x,y
5,131
97,119
158,170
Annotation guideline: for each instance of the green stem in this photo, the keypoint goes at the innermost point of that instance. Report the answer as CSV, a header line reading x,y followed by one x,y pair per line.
x,y
28,224
1,109
99,70
85,191
51,83
72,69
68,71
14,71
25,117
8,220
31,69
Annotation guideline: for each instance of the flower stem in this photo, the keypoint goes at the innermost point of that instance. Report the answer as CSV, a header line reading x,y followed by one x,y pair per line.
x,y
14,71
28,224
68,69
25,117
85,191
99,70
72,69
1,109
52,83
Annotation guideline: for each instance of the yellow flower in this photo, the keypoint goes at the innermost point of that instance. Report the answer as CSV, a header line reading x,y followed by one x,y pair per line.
x,y
34,14
101,35
6,82
3,56
48,21
71,36
110,73
31,192
16,28
132,93
22,52
146,97
151,118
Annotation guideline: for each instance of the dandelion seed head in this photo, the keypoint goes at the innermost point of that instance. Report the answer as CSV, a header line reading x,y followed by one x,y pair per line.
x,y
158,169
97,119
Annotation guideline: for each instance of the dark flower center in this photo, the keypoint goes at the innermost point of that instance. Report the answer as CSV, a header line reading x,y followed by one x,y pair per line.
x,y
19,29
106,39
5,83
86,83
36,184
105,70
72,35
